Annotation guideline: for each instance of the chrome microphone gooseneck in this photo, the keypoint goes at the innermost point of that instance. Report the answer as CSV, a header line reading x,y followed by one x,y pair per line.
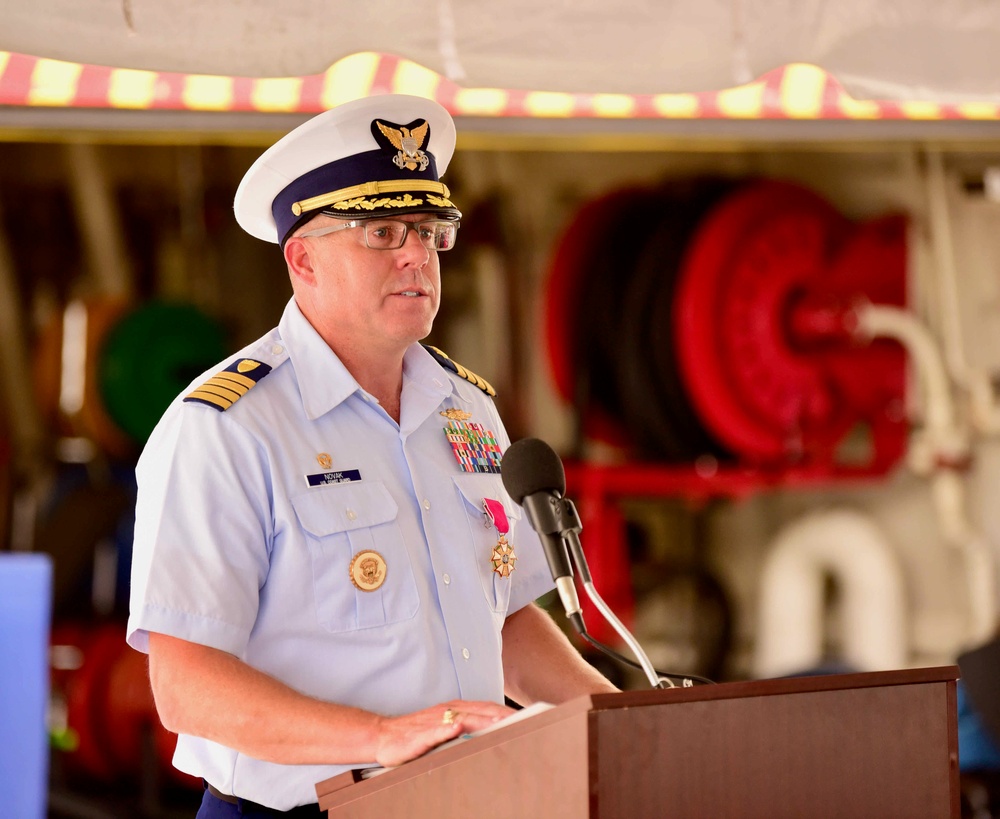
x,y
533,475
571,536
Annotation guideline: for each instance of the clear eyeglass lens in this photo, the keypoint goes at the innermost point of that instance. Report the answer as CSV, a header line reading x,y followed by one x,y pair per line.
x,y
388,234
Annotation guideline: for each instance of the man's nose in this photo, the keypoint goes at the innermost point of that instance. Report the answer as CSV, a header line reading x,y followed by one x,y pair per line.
x,y
413,250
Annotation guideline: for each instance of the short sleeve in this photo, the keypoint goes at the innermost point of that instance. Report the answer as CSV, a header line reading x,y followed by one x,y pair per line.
x,y
202,532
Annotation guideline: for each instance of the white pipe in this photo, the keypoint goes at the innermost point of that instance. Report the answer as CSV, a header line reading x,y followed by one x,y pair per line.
x,y
975,380
901,325
943,249
848,547
942,444
73,368
979,562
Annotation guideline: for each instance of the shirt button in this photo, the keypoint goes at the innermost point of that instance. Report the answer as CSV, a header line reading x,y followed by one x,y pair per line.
x,y
277,349
351,514
427,504
446,578
465,653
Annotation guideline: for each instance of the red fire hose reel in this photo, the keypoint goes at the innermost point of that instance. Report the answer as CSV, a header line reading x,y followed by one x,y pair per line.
x,y
735,361
762,328
101,692
752,324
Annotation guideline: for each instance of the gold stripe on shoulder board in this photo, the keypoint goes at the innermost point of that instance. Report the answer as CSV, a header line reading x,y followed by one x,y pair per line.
x,y
225,388
449,364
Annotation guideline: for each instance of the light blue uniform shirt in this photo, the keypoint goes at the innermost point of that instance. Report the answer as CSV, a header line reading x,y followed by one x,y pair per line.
x,y
235,550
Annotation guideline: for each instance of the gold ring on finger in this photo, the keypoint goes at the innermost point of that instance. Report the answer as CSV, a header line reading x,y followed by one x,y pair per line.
x,y
448,718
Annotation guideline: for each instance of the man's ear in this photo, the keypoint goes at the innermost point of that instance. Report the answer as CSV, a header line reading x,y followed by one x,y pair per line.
x,y
299,261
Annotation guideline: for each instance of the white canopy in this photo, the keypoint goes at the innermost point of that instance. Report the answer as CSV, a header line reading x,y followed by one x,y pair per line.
x,y
930,50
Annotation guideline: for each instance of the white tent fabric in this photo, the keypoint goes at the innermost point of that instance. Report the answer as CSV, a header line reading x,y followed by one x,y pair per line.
x,y
930,50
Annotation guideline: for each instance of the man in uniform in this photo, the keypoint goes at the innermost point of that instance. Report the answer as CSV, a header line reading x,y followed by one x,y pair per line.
x,y
328,573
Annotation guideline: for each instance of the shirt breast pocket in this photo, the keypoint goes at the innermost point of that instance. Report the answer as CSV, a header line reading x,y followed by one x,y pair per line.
x,y
341,521
483,536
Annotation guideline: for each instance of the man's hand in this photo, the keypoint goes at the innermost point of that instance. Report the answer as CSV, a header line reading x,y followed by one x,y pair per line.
x,y
406,737
206,692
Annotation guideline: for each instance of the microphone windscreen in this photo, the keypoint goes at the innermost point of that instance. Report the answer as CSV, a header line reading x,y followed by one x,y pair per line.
x,y
529,466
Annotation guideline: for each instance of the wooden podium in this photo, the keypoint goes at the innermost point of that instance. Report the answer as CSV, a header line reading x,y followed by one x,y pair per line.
x,y
880,745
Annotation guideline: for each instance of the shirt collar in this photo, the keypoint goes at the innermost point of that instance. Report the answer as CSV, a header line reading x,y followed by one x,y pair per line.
x,y
425,387
422,371
324,381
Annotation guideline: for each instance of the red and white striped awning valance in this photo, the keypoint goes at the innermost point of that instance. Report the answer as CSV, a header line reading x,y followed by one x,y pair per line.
x,y
795,92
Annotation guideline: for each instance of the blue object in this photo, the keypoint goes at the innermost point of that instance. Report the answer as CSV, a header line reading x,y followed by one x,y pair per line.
x,y
25,614
977,748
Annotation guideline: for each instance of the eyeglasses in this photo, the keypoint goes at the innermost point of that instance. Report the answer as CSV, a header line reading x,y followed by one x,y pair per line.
x,y
390,234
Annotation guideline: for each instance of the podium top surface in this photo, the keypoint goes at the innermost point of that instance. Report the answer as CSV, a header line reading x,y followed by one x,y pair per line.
x,y
773,687
327,790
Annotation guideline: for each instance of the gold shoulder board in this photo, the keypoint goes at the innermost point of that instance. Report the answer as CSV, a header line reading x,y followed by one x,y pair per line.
x,y
225,388
460,371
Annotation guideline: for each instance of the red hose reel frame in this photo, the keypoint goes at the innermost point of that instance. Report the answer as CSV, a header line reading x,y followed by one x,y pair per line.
x,y
763,264
763,334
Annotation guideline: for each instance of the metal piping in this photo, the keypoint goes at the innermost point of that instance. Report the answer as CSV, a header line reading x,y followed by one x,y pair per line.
x,y
938,451
848,547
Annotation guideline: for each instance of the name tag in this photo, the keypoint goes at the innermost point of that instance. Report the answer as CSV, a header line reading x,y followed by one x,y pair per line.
x,y
324,478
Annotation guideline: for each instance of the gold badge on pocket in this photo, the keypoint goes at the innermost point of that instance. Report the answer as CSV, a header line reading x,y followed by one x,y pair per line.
x,y
368,570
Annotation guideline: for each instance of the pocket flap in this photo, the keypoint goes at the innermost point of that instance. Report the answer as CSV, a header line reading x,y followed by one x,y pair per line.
x,y
341,507
474,487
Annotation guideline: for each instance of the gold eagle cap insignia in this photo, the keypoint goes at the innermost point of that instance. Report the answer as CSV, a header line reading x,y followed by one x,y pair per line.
x,y
408,143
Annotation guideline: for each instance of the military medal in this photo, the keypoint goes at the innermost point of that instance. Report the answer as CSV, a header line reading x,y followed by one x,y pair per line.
x,y
368,570
503,557
476,448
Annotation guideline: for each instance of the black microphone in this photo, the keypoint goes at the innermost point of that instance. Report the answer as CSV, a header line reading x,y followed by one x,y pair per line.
x,y
533,476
